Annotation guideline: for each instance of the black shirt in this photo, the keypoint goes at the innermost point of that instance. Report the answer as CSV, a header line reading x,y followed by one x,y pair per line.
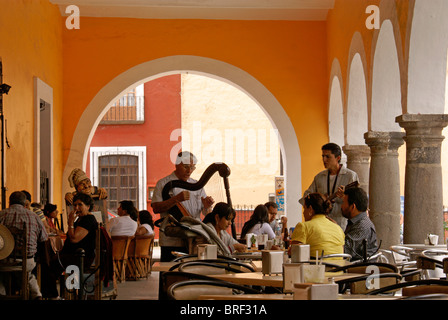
x,y
89,223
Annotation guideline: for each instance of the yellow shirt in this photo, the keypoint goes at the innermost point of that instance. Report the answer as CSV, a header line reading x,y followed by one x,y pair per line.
x,y
321,234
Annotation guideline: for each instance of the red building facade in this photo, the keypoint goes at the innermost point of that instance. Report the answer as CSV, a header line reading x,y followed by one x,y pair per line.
x,y
125,148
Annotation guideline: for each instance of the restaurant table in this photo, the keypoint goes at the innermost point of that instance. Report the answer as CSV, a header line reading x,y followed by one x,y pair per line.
x,y
162,266
290,297
250,255
259,279
267,296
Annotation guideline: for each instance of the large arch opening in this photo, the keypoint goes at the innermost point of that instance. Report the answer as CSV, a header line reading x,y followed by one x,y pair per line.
x,y
357,118
386,84
210,68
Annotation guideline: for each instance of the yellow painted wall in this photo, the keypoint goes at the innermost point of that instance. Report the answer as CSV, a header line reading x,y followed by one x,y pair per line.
x,y
288,58
30,45
223,124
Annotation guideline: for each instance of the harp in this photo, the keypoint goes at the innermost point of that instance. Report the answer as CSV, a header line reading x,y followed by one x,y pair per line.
x,y
179,211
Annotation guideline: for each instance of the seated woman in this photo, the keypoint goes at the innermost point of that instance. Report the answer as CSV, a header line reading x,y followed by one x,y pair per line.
x,y
258,223
319,231
219,220
146,226
82,226
51,213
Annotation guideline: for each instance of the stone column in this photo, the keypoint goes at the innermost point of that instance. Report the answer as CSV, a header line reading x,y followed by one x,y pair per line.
x,y
384,185
358,159
423,196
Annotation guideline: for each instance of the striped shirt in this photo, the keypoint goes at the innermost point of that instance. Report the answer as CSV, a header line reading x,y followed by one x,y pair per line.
x,y
358,229
15,216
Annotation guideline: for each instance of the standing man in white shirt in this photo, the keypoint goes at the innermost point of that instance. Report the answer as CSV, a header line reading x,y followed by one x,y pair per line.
x,y
195,202
126,222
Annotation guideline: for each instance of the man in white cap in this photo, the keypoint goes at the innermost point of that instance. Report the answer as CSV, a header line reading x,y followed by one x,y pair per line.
x,y
195,202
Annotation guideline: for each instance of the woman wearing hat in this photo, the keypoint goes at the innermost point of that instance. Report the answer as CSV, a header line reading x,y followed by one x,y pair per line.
x,y
79,180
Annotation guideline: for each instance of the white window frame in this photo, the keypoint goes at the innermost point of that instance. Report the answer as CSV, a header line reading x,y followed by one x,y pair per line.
x,y
140,152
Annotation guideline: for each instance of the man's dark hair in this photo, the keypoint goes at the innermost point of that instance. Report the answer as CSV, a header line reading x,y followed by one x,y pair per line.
x,y
128,205
271,204
358,197
334,149
27,195
17,197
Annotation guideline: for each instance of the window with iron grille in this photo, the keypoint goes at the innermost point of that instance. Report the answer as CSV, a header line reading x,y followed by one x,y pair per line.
x,y
118,174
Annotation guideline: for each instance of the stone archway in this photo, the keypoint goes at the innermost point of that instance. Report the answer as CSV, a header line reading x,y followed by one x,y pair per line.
x,y
205,66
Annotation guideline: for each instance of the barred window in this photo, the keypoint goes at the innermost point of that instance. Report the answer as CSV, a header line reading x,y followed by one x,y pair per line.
x,y
118,174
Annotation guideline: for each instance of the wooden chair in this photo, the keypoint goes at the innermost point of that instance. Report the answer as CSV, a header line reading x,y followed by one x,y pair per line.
x,y
120,245
98,280
140,257
14,266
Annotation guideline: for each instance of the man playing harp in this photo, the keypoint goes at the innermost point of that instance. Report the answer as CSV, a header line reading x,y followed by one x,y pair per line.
x,y
194,202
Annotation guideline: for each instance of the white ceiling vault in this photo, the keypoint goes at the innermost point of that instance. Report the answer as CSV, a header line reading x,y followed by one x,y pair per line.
x,y
294,10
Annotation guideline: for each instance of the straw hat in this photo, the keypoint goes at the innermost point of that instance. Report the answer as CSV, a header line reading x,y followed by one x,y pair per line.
x,y
6,242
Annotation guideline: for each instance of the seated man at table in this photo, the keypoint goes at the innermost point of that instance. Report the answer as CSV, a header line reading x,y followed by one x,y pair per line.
x,y
359,225
319,231
17,216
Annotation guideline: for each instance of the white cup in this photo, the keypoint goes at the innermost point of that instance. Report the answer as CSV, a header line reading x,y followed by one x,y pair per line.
x,y
433,239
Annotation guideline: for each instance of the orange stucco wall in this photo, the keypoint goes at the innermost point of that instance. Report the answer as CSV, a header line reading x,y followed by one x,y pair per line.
x,y
30,46
291,59
288,58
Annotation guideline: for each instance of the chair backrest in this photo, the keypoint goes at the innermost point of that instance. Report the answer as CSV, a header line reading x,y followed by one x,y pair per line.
x,y
429,286
217,266
170,277
20,250
193,289
141,247
362,267
191,257
120,245
375,282
18,257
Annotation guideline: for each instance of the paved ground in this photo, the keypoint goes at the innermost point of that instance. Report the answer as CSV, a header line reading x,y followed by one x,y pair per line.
x,y
143,289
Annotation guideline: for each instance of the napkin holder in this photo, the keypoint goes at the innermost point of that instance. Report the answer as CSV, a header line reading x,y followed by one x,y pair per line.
x,y
207,251
300,253
272,261
315,291
292,274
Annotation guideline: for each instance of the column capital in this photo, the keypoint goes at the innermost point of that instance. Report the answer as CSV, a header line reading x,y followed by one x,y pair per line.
x,y
420,123
357,151
380,141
